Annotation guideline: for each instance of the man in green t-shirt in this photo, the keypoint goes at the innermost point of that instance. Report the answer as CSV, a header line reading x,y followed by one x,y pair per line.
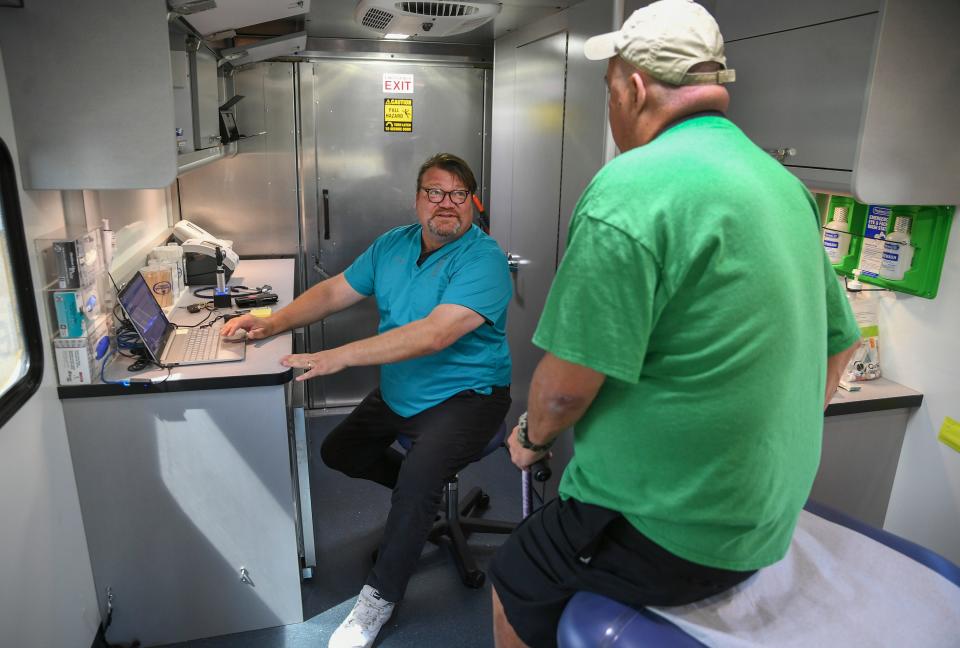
x,y
692,332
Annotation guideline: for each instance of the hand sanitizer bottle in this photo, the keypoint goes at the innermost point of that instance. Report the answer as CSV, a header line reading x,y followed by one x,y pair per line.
x,y
836,240
897,251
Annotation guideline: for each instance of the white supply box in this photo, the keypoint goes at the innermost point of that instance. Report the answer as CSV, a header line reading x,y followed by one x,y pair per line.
x,y
77,357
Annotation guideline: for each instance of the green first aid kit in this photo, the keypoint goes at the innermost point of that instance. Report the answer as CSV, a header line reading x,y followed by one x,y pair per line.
x,y
898,247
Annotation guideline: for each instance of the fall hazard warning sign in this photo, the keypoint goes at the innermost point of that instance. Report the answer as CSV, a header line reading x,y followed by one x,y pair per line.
x,y
398,115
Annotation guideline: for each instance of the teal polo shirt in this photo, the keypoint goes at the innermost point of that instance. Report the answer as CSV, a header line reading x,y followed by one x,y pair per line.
x,y
472,272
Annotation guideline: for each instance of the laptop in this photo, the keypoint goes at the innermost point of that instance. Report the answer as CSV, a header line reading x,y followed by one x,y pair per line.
x,y
168,345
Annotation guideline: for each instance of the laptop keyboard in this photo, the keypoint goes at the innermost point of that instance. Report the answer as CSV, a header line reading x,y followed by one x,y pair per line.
x,y
201,344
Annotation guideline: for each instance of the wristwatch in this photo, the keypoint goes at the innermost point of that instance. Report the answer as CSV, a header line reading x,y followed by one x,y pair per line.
x,y
524,441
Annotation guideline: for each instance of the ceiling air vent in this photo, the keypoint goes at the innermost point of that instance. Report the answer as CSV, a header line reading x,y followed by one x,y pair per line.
x,y
430,20
376,19
437,8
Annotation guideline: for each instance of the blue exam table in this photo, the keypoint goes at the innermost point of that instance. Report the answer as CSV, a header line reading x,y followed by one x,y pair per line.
x,y
593,621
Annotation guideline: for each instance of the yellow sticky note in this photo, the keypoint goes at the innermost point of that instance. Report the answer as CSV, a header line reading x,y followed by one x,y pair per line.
x,y
263,311
950,433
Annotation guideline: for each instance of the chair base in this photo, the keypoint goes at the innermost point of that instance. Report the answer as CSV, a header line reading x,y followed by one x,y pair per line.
x,y
462,520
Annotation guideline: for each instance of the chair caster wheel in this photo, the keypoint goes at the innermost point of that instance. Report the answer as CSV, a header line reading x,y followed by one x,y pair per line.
x,y
475,579
483,502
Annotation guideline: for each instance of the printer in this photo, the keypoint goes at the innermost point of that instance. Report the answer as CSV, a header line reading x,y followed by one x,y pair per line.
x,y
200,254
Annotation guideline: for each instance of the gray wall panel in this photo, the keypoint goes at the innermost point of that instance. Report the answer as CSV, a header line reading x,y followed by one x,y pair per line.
x,y
548,141
746,18
585,115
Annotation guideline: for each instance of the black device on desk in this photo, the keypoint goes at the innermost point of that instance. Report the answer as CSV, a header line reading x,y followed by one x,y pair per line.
x,y
221,296
255,301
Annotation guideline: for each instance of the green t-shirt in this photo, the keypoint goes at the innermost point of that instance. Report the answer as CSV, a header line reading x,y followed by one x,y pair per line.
x,y
696,281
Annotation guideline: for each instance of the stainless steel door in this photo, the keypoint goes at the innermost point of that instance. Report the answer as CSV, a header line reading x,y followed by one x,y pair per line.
x,y
535,199
364,181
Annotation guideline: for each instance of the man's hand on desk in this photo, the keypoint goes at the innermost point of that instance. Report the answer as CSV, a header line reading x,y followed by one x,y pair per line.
x,y
317,364
257,328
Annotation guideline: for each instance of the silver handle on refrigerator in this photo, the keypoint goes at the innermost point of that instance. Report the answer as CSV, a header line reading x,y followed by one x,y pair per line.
x,y
323,234
326,214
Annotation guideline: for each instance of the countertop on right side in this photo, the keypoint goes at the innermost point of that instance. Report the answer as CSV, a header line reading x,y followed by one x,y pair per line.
x,y
873,396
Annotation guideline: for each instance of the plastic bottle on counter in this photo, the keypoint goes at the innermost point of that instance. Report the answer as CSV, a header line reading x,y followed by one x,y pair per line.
x,y
897,250
865,363
836,237
109,244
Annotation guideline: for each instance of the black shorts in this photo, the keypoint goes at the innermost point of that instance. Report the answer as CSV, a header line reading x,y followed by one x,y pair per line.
x,y
568,546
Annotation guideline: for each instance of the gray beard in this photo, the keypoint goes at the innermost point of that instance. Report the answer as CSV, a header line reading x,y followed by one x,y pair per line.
x,y
443,235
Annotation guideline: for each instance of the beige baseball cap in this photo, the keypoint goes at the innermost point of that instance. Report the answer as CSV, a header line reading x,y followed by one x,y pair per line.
x,y
666,38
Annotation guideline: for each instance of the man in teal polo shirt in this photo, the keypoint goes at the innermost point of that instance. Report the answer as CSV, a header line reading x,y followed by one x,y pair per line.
x,y
442,288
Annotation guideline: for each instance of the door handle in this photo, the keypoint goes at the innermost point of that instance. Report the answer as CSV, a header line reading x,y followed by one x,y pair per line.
x,y
326,214
514,262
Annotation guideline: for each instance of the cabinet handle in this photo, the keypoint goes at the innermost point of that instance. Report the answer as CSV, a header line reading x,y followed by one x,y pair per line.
x,y
245,577
780,154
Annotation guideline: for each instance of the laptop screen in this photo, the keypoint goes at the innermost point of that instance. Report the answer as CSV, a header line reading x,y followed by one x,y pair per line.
x,y
145,313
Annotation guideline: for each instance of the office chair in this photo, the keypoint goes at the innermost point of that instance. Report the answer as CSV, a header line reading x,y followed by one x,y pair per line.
x,y
461,517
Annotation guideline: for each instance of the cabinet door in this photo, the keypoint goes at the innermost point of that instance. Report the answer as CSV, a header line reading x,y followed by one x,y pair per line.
x,y
188,507
908,146
91,94
205,93
804,89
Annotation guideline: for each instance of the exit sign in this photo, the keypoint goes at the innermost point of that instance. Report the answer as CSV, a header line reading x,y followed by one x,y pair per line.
x,y
398,83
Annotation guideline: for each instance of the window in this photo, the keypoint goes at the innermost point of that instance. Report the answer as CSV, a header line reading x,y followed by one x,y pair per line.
x,y
21,350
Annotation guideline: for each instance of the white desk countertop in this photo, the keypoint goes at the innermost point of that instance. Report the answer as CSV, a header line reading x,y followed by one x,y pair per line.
x,y
260,367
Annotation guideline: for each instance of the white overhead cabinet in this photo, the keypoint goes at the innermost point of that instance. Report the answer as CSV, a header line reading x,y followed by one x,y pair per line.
x,y
92,95
231,14
854,96
92,87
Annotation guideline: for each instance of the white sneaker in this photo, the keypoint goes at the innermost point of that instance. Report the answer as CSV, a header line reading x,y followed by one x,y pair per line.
x,y
363,623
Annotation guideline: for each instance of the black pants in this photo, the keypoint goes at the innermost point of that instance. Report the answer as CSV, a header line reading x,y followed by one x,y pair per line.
x,y
446,438
568,546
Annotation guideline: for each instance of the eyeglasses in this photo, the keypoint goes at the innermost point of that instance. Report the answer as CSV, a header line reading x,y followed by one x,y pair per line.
x,y
457,196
